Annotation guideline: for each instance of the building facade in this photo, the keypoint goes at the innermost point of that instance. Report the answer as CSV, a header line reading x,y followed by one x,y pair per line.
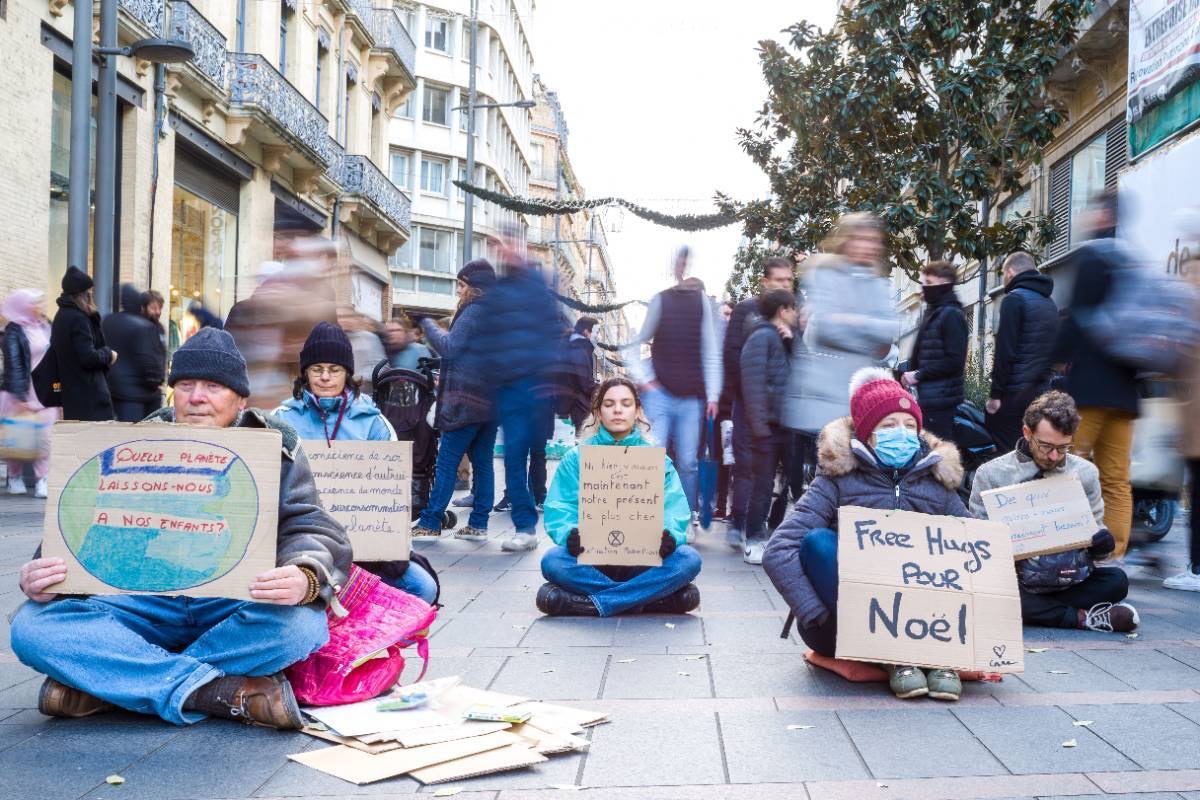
x,y
276,126
428,140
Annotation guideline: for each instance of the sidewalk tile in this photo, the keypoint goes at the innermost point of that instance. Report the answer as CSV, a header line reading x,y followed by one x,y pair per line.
x,y
650,630
472,632
1003,787
760,748
475,671
1039,746
570,631
781,675
1145,669
1182,780
569,675
658,676
916,743
756,634
500,601
1081,674
745,600
659,749
1154,736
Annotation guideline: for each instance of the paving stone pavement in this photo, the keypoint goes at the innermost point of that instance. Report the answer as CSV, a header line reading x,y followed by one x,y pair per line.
x,y
703,711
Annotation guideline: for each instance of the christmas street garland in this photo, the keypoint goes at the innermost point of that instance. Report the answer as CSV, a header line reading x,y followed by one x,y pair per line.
x,y
541,208
571,302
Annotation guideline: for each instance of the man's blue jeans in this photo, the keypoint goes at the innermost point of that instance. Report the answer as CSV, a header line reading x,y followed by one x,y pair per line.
x,y
675,423
417,582
615,590
149,653
522,410
478,441
818,559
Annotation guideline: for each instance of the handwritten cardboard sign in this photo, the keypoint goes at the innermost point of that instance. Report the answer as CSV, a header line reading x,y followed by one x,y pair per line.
x,y
621,505
367,487
162,509
1045,516
927,591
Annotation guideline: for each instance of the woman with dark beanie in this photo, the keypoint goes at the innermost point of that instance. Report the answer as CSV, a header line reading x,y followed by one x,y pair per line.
x,y
77,344
464,411
327,404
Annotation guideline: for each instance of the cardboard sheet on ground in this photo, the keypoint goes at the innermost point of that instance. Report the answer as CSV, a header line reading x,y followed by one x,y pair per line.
x,y
1045,516
514,756
162,509
358,767
621,505
359,719
367,486
928,591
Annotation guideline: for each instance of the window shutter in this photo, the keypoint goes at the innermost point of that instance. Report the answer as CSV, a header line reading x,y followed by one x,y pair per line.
x,y
1060,207
1116,154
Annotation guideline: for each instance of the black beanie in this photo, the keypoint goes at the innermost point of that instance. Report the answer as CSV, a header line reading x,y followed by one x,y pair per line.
x,y
76,281
327,344
211,355
478,274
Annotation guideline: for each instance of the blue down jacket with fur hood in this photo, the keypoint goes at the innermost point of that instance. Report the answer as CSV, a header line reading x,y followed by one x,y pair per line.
x,y
850,476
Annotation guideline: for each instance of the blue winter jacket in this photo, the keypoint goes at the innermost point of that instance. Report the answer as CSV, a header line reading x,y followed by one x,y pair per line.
x,y
464,396
561,510
519,333
312,417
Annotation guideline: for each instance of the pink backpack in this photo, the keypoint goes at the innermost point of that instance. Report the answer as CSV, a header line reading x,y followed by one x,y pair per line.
x,y
380,618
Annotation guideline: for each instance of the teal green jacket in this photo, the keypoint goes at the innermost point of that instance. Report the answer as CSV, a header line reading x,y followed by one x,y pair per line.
x,y
561,510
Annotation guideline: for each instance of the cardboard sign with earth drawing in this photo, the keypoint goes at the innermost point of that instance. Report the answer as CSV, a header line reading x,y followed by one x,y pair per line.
x,y
621,505
927,591
162,509
367,487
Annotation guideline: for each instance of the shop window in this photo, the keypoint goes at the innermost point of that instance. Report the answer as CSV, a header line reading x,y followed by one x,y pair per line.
x,y
203,262
60,176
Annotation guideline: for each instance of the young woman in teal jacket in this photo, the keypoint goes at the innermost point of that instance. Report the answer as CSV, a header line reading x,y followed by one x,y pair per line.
x,y
327,405
575,589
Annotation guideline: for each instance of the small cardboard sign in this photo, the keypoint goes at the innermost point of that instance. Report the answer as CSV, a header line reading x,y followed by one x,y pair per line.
x,y
1044,516
621,505
162,509
367,487
927,591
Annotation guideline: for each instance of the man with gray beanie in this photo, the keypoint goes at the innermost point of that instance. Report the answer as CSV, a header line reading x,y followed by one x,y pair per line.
x,y
186,658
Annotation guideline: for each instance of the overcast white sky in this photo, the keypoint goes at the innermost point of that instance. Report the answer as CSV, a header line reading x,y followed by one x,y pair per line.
x,y
653,92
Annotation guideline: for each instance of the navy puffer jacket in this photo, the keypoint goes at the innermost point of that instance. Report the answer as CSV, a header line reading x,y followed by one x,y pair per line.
x,y
1025,338
463,395
764,378
939,356
850,476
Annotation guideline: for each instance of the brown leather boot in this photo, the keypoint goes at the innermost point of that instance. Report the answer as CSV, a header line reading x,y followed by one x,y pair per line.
x,y
59,700
266,701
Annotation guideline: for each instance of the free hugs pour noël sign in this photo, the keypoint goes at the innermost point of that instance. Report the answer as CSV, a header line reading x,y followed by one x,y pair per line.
x,y
928,591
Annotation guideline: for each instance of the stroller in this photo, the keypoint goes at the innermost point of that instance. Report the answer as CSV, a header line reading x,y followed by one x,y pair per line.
x,y
405,397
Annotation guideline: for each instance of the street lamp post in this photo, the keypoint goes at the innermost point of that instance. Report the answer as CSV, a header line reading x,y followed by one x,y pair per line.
x,y
470,108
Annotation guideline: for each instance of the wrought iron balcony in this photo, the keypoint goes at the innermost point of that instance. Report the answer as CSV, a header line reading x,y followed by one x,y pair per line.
x,y
149,14
392,38
359,176
360,15
257,87
188,24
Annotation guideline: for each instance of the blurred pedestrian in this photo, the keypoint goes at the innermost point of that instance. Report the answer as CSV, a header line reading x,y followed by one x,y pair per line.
x,y
135,380
938,365
366,339
327,405
778,273
26,340
1105,391
402,348
83,358
681,383
578,372
764,379
1021,364
850,324
465,413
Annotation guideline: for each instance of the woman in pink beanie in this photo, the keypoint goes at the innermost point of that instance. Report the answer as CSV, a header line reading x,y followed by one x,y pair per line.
x,y
878,457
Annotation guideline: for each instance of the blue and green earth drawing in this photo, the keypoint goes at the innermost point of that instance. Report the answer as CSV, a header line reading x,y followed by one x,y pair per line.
x,y
159,527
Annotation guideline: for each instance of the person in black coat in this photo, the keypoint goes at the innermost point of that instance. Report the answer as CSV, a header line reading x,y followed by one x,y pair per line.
x,y
77,342
1105,391
939,356
135,381
778,273
765,366
578,372
1021,366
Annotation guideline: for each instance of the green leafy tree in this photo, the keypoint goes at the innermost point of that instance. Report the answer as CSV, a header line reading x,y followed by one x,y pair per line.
x,y
924,112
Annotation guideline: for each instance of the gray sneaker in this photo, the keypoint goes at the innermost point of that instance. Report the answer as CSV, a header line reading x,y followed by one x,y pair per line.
x,y
906,682
944,684
471,534
519,542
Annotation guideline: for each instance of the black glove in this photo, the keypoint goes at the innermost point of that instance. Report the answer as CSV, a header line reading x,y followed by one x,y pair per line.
x,y
1103,543
668,545
574,548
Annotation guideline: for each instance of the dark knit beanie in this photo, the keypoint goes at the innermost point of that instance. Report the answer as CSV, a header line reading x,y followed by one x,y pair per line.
x,y
211,355
478,274
327,344
76,281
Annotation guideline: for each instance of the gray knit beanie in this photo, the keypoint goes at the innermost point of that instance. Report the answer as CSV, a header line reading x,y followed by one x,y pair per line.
x,y
211,355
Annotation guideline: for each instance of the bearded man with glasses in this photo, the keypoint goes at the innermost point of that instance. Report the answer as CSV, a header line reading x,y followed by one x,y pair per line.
x,y
1060,590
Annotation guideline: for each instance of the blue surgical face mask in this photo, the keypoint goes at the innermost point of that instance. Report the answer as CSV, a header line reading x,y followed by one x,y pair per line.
x,y
895,447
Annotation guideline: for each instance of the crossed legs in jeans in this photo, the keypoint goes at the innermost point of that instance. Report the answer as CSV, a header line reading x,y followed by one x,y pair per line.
x,y
615,590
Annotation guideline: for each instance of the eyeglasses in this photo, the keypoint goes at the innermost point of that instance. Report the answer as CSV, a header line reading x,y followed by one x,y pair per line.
x,y
333,372
1046,449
